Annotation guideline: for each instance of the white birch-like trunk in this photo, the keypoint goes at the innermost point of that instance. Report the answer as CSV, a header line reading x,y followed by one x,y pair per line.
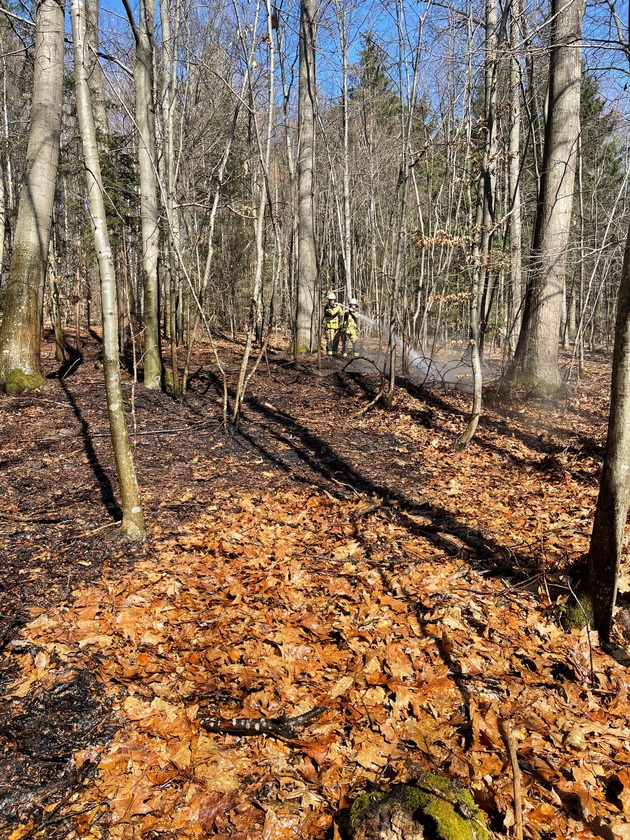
x,y
94,69
3,215
133,519
170,48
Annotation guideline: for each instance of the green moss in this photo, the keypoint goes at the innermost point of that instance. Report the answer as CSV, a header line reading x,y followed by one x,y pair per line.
x,y
362,805
17,382
578,613
432,801
452,808
167,382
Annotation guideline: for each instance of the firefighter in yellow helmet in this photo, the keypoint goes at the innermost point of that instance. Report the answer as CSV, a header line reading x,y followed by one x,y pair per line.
x,y
350,330
333,319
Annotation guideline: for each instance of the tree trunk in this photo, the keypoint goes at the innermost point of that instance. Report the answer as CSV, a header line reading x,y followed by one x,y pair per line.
x,y
133,519
255,310
307,255
55,311
149,216
20,334
7,169
483,267
614,491
536,357
515,225
170,64
3,215
484,222
94,70
346,228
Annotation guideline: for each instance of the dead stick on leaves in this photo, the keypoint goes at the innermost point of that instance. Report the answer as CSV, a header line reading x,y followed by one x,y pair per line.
x,y
516,781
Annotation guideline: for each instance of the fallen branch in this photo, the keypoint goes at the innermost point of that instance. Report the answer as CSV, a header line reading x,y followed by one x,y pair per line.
x,y
281,727
516,781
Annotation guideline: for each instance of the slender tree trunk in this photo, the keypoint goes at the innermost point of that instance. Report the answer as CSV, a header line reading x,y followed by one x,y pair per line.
x,y
346,231
484,222
408,86
488,178
307,254
293,224
170,63
55,311
7,169
536,357
515,222
611,512
133,519
21,330
264,150
149,215
94,70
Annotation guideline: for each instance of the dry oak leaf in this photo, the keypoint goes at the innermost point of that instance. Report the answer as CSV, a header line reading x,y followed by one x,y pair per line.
x,y
576,796
373,671
132,800
542,817
281,826
180,753
398,662
374,751
212,806
350,549
318,749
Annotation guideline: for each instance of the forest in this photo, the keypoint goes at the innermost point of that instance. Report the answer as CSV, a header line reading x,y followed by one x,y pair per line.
x,y
315,411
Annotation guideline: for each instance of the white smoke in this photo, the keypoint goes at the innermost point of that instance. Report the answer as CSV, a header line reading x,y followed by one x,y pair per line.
x,y
451,368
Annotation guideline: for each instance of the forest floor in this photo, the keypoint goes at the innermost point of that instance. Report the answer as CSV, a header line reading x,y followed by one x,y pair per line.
x,y
329,555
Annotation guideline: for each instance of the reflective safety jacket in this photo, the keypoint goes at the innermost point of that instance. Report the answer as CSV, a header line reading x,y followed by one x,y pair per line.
x,y
350,323
333,317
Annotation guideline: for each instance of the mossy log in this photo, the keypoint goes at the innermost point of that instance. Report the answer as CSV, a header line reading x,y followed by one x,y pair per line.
x,y
430,808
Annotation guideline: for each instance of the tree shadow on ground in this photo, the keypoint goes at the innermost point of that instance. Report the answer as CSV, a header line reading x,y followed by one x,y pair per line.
x,y
342,480
104,483
580,446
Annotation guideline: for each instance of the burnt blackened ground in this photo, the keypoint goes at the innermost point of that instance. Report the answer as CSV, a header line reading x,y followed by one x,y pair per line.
x,y
40,734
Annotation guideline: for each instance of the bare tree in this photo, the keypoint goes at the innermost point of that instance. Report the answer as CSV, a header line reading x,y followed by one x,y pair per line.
x,y
94,70
149,214
514,183
536,357
133,518
21,330
485,217
307,255
264,144
614,492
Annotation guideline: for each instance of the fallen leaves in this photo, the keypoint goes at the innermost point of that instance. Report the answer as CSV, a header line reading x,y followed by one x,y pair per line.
x,y
269,603
202,627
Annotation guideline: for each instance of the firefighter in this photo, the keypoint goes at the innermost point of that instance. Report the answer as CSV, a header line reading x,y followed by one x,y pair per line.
x,y
350,330
333,319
